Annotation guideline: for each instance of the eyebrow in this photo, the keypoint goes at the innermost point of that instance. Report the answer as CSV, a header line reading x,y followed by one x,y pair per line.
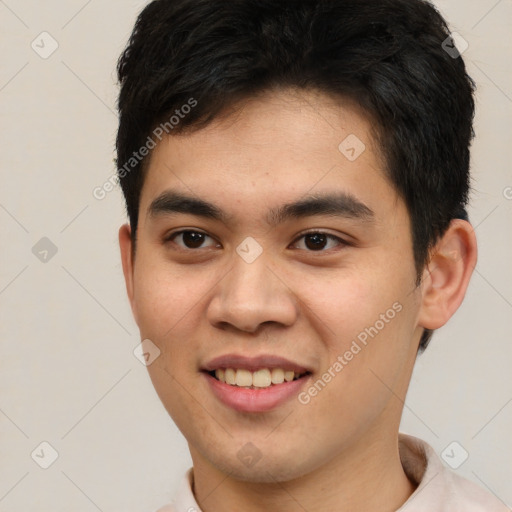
x,y
335,204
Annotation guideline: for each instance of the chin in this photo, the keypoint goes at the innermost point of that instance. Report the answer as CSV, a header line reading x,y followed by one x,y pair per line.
x,y
264,471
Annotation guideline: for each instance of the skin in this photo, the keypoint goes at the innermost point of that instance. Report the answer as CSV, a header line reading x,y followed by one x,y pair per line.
x,y
307,305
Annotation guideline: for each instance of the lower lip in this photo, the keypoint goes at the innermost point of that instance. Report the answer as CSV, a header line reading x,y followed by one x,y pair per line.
x,y
255,400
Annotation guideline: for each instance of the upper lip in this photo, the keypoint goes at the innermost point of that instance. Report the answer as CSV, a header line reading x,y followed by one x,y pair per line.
x,y
253,363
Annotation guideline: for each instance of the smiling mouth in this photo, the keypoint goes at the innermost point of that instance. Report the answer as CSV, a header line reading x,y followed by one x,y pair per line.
x,y
260,379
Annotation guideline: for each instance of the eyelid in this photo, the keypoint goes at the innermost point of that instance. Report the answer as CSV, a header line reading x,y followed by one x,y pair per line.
x,y
169,236
343,242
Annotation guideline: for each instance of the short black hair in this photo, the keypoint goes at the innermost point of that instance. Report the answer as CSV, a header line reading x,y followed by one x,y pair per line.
x,y
389,56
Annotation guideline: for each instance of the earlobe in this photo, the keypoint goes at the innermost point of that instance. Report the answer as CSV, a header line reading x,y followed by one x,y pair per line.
x,y
446,277
126,248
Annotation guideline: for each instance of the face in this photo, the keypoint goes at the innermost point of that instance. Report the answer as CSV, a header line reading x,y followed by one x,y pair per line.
x,y
303,253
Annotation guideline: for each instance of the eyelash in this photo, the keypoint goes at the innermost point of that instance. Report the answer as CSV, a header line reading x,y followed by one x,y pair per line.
x,y
170,237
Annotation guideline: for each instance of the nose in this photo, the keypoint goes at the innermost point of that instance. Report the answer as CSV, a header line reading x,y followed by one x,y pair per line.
x,y
252,294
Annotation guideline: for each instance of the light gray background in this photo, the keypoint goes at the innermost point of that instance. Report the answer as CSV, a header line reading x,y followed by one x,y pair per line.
x,y
68,374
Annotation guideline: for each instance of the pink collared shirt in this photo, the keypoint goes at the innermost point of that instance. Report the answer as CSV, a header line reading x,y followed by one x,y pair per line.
x,y
439,489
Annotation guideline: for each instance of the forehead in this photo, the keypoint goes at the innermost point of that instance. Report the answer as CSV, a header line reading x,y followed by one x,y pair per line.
x,y
272,149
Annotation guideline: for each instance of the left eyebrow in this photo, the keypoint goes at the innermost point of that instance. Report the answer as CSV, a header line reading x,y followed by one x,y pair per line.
x,y
339,204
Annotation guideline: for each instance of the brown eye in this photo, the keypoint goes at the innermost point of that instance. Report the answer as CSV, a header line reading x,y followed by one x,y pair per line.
x,y
319,242
190,239
315,241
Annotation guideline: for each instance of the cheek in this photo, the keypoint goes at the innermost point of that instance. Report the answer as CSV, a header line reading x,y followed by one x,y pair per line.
x,y
168,303
167,296
346,302
366,321
167,299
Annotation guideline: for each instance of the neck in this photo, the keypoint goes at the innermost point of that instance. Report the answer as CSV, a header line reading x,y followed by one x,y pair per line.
x,y
368,477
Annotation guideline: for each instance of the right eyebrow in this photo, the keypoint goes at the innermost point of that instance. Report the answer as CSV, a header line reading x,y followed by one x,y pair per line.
x,y
171,201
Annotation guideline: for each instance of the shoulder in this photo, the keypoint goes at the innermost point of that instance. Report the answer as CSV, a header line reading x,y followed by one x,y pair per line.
x,y
183,500
470,497
439,488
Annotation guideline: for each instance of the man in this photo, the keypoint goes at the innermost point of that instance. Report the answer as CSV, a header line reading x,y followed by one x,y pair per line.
x,y
296,175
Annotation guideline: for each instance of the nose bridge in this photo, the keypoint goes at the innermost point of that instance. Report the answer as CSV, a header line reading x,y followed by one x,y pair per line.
x,y
251,278
252,294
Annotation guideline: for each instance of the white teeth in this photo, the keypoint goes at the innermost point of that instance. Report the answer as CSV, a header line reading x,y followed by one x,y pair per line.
x,y
262,378
277,376
288,376
230,376
243,378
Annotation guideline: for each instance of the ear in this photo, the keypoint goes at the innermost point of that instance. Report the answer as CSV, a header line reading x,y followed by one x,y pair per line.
x,y
446,276
127,259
